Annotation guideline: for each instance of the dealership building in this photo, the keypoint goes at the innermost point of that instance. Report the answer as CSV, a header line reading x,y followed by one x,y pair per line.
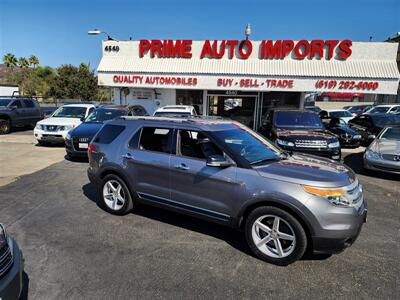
x,y
243,79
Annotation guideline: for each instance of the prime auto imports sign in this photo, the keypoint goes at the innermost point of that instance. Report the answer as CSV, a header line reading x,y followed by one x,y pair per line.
x,y
268,49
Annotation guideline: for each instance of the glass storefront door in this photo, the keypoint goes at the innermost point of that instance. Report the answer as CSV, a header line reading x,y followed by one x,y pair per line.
x,y
238,107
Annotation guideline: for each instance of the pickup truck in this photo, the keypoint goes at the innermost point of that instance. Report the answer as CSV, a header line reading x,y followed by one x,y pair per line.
x,y
18,112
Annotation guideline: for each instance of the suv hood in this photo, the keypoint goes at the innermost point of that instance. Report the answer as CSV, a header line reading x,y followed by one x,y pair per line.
x,y
61,121
307,134
308,170
86,129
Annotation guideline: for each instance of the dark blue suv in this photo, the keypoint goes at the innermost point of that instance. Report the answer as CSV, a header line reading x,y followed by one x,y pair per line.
x,y
78,139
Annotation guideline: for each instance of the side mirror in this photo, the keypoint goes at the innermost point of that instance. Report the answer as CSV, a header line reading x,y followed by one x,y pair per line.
x,y
371,136
218,161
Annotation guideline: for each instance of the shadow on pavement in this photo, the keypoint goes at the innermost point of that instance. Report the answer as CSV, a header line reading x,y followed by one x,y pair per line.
x,y
355,162
76,159
234,238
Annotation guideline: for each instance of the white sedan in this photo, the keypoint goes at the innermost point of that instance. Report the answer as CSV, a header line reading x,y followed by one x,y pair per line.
x,y
343,114
55,128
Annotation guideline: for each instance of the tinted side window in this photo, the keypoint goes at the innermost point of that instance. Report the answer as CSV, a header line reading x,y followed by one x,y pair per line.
x,y
17,103
109,133
138,111
29,103
90,111
195,144
156,139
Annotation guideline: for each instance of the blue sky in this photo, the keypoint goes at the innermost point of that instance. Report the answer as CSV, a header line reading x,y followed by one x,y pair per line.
x,y
56,30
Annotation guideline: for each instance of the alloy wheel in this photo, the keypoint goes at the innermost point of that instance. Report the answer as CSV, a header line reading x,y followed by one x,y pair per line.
x,y
273,236
113,195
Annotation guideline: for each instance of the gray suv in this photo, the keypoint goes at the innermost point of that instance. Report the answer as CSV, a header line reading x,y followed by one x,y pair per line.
x,y
222,171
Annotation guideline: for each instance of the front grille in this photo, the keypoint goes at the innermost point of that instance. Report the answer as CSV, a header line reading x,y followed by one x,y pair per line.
x,y
50,127
391,157
6,259
310,144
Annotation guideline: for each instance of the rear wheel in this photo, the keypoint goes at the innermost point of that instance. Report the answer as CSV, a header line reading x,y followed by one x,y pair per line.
x,y
5,126
275,236
115,196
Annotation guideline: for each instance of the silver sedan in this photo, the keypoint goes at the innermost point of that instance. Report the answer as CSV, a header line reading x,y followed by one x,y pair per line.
x,y
384,152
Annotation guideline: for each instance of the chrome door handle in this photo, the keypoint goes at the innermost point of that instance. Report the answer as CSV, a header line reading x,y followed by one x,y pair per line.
x,y
127,156
182,167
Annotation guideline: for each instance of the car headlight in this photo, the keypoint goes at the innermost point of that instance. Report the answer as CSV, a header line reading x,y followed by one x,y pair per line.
x,y
3,236
38,126
357,137
285,143
344,196
334,144
372,154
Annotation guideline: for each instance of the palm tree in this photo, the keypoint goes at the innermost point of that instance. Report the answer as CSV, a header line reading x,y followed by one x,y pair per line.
x,y
23,62
10,60
33,61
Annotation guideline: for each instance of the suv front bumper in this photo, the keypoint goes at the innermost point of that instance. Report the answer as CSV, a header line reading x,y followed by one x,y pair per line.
x,y
11,283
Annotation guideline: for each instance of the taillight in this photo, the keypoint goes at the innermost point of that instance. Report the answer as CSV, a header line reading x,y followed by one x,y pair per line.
x,y
91,148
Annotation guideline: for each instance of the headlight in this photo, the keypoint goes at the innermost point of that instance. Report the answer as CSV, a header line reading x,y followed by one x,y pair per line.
x,y
357,137
3,236
372,154
334,145
285,143
38,126
345,196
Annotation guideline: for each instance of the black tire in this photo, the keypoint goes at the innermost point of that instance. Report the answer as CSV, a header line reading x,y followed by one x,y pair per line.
x,y
5,126
127,206
300,244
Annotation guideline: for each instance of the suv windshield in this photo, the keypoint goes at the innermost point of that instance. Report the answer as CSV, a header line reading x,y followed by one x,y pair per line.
x,y
391,133
381,121
301,119
249,145
70,112
378,109
101,115
340,114
4,102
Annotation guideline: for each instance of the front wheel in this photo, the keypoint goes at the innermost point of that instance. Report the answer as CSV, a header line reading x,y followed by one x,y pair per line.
x,y
5,126
275,236
115,196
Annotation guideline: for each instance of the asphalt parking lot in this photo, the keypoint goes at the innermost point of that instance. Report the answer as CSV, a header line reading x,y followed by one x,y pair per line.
x,y
74,250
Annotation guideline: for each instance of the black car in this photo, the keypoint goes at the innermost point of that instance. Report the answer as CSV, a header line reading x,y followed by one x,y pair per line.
x,y
347,136
18,112
11,267
370,125
78,139
301,131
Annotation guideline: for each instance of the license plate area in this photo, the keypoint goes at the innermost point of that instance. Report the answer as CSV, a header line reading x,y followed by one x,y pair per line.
x,y
83,145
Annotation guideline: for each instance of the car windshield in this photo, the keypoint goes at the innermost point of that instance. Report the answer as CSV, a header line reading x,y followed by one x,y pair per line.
x,y
391,133
70,112
4,102
297,119
171,114
101,115
248,144
387,119
341,114
357,108
378,109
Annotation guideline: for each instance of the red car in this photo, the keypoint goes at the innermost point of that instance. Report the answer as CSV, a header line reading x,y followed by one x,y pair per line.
x,y
335,96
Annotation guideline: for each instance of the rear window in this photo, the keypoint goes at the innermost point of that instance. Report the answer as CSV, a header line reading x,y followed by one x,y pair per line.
x,y
108,133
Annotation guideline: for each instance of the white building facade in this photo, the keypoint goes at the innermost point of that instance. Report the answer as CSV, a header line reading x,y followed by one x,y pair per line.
x,y
243,79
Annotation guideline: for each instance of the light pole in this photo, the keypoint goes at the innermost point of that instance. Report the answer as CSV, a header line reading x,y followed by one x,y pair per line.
x,y
247,31
97,32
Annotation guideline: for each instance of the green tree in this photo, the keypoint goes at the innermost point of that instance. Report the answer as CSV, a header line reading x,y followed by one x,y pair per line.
x,y
10,60
72,82
33,61
23,62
